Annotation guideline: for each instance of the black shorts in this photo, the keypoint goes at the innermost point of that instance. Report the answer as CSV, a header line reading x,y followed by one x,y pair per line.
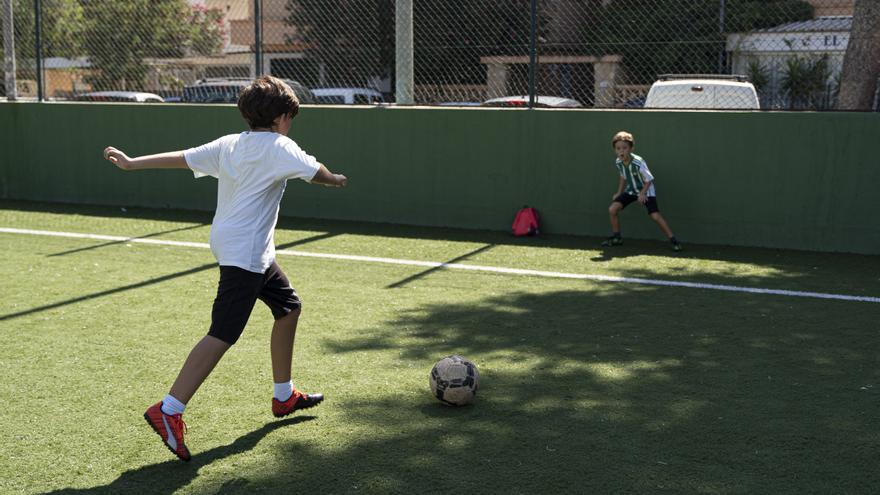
x,y
237,293
626,199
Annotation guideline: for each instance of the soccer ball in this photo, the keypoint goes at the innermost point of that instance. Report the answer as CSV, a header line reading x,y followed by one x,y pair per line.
x,y
454,381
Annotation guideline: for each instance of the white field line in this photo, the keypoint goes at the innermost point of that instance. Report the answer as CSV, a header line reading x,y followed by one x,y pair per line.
x,y
476,268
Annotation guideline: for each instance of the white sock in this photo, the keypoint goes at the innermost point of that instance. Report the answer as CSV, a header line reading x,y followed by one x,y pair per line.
x,y
172,406
283,391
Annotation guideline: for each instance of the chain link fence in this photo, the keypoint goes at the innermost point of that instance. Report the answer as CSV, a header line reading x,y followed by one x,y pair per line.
x,y
768,54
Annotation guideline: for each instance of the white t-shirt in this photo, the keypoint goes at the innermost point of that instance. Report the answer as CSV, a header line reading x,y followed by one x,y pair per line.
x,y
252,169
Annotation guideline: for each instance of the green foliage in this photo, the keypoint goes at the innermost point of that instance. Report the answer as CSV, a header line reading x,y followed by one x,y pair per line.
x,y
355,40
759,76
120,35
61,25
208,30
449,37
684,36
117,37
806,82
749,15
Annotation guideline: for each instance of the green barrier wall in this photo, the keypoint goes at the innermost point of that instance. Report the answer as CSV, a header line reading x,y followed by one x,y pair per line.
x,y
792,180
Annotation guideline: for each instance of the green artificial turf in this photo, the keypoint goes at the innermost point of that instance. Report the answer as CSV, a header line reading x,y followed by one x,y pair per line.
x,y
586,387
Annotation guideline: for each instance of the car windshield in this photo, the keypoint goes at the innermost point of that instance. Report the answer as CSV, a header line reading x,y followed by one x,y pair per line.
x,y
211,94
228,93
331,99
364,99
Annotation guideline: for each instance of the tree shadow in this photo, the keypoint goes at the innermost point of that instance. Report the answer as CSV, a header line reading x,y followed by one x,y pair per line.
x,y
144,283
825,276
625,390
423,274
171,475
793,263
103,293
611,389
114,243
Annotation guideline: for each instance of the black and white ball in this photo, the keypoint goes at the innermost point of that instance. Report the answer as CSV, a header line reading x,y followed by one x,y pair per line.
x,y
454,381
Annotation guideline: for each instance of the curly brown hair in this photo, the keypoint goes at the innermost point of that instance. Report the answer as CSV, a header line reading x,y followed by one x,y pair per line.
x,y
264,100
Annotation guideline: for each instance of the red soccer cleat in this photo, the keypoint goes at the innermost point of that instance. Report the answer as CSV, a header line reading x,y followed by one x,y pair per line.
x,y
170,428
296,401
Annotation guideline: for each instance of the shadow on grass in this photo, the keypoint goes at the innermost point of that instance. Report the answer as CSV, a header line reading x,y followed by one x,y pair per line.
x,y
145,283
115,290
783,259
423,274
623,390
614,389
114,243
855,273
166,477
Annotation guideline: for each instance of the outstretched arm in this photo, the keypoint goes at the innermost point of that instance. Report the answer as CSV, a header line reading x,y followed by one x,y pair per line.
x,y
327,178
171,159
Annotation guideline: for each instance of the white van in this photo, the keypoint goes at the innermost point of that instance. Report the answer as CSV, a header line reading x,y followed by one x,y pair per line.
x,y
716,92
348,96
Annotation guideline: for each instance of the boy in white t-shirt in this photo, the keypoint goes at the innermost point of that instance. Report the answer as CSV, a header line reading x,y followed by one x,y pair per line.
x,y
252,169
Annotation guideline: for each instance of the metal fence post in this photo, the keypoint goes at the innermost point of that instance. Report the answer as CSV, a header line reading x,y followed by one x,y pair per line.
x,y
9,50
721,15
404,90
258,37
38,44
533,51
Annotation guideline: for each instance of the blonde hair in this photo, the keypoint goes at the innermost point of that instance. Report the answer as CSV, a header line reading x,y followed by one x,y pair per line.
x,y
625,137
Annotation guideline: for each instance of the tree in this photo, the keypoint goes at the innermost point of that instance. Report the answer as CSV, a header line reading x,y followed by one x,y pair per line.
x,y
681,36
354,40
759,76
451,37
805,81
119,36
208,30
61,27
861,63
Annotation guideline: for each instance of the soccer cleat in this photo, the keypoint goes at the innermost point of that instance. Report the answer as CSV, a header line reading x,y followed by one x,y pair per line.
x,y
676,247
612,241
170,428
296,401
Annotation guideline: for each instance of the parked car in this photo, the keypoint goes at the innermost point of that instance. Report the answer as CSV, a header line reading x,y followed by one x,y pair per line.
x,y
540,102
226,90
458,104
688,91
635,102
348,96
129,96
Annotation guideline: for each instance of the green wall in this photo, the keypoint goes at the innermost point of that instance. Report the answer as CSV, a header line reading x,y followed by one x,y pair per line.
x,y
793,180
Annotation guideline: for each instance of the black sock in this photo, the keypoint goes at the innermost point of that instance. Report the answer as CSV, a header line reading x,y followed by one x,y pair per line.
x,y
673,240
615,235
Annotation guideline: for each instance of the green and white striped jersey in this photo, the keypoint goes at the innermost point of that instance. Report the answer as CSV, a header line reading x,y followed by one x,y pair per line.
x,y
636,174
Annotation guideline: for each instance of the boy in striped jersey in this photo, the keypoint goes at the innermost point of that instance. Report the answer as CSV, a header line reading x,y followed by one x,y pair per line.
x,y
636,184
